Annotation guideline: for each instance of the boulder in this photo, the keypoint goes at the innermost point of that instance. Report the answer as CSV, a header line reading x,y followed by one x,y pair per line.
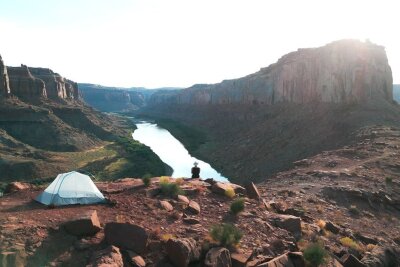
x,y
330,226
289,223
126,236
218,257
382,256
252,191
135,260
238,260
193,207
85,224
182,251
290,259
17,186
183,199
239,189
108,257
220,188
166,205
349,260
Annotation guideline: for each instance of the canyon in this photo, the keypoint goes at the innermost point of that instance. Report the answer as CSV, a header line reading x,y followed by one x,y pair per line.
x,y
47,128
310,100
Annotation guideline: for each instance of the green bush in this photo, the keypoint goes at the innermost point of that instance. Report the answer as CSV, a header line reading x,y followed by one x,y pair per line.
x,y
146,180
237,206
388,180
315,254
354,210
226,234
170,189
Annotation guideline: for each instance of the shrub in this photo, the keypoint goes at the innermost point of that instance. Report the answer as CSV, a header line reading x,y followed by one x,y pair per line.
x,y
321,224
226,234
164,179
146,180
370,247
237,206
166,237
315,254
230,192
354,210
350,243
179,181
388,180
171,189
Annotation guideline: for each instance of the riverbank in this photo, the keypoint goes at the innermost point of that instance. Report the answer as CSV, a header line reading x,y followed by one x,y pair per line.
x,y
172,152
198,142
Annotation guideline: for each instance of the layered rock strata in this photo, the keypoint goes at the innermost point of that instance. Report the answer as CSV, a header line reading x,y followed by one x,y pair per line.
x,y
31,83
4,82
340,72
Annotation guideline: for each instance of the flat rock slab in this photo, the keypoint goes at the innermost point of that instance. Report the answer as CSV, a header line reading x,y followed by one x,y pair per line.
x,y
110,257
86,224
126,236
182,251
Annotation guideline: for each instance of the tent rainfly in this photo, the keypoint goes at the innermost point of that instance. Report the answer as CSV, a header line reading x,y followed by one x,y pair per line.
x,y
71,188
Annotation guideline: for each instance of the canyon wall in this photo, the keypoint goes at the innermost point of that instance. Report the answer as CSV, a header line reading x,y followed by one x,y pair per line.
x,y
4,81
32,83
344,71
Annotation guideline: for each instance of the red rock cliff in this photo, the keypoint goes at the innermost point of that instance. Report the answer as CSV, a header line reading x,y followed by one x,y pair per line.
x,y
342,71
26,82
4,82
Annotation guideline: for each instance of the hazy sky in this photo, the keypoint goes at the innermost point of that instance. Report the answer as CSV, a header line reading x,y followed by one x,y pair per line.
x,y
156,43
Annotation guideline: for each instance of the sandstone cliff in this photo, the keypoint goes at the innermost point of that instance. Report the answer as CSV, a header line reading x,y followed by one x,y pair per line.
x,y
340,72
32,83
4,82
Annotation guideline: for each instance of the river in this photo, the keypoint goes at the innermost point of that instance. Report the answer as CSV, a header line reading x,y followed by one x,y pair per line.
x,y
172,152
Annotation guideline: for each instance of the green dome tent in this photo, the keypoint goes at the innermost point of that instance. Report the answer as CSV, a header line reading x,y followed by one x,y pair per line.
x,y
71,188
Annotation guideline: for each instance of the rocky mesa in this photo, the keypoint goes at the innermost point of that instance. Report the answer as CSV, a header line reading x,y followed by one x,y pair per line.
x,y
46,127
310,100
29,83
340,72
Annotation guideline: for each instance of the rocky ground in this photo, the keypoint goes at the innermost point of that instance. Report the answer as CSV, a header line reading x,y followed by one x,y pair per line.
x,y
346,200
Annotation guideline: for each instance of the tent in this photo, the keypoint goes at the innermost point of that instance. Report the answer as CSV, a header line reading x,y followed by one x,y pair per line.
x,y
71,188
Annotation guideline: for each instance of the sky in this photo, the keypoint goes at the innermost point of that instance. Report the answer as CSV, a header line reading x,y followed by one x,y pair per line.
x,y
159,43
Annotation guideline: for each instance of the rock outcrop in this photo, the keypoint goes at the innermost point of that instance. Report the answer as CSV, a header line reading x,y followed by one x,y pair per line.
x,y
31,83
4,81
57,87
340,72
23,84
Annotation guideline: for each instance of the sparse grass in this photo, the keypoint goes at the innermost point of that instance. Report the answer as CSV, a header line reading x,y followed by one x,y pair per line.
x,y
179,181
170,189
164,179
321,224
388,180
354,210
237,206
166,237
370,247
146,180
227,235
230,192
315,254
350,243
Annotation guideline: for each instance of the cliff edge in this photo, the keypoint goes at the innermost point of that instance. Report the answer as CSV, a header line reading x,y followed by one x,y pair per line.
x,y
344,71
